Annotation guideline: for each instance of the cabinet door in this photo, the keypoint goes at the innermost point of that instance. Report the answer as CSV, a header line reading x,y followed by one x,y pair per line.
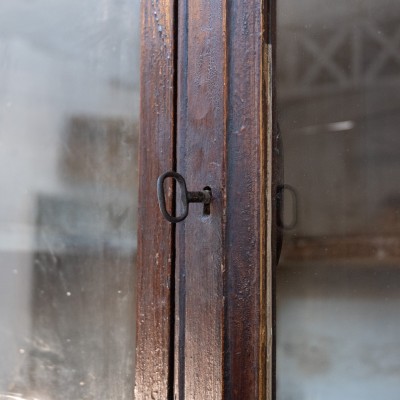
x,y
338,318
202,282
286,286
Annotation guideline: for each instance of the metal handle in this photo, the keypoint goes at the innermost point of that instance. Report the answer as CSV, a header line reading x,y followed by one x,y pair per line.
x,y
186,197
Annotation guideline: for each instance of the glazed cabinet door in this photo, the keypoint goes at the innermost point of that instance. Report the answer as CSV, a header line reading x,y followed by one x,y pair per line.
x,y
69,128
203,284
338,279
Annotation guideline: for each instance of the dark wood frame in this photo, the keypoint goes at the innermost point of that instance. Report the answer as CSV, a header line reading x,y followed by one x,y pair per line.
x,y
205,303
155,257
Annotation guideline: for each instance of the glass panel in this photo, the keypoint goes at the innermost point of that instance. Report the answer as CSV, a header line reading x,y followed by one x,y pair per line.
x,y
68,151
338,279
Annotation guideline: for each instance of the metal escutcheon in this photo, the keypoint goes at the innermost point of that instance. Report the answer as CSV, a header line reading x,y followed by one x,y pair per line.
x,y
186,197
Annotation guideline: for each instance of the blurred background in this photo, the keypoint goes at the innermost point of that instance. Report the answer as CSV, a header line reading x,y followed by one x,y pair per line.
x,y
69,106
338,281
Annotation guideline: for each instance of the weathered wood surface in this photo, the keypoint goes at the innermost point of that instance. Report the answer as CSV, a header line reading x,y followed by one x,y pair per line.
x,y
200,238
221,259
221,332
248,205
155,235
274,178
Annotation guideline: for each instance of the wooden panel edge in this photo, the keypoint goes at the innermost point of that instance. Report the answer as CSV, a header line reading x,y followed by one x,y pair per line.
x,y
249,208
155,235
272,173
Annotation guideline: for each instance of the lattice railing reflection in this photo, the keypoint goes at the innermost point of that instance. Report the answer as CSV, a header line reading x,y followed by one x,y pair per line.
x,y
356,54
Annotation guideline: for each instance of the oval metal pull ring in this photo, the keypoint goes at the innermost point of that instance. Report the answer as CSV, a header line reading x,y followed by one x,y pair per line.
x,y
186,197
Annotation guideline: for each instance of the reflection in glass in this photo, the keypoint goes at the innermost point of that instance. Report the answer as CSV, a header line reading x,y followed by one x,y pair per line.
x,y
338,280
68,140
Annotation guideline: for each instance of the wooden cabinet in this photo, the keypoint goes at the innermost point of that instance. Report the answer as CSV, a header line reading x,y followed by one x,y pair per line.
x,y
245,97
205,310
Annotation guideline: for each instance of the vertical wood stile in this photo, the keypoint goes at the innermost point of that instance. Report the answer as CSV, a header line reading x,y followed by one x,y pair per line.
x,y
153,378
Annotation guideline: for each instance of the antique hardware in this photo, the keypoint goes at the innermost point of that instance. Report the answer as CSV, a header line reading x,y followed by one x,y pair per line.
x,y
203,196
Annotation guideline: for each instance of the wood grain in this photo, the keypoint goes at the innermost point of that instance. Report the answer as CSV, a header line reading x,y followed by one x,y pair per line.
x,y
224,139
222,142
155,235
248,207
200,238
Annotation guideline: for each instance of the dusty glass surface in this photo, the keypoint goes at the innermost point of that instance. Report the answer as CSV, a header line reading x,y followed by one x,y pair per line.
x,y
338,280
68,153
